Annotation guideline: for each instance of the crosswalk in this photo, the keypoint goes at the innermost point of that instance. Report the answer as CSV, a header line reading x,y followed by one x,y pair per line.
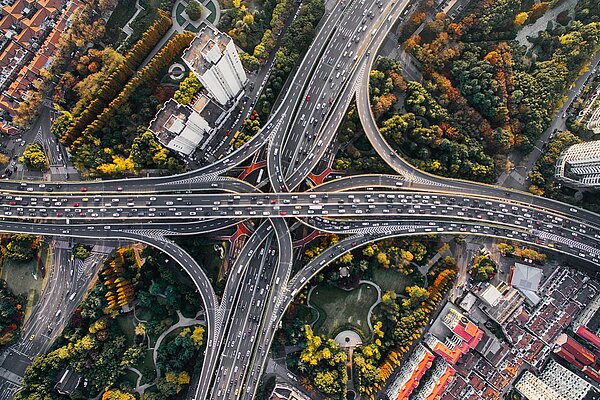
x,y
412,178
387,229
194,179
156,234
8,389
569,242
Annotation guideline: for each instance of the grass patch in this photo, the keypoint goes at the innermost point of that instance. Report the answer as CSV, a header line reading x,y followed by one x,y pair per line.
x,y
178,14
213,12
391,279
340,308
192,28
18,275
125,322
147,368
130,378
306,314
201,248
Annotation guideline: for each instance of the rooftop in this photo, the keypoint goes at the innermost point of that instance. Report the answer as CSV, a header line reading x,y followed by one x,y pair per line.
x,y
206,49
526,277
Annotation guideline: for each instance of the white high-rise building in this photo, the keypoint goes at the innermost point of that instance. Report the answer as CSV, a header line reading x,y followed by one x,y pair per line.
x,y
579,165
213,58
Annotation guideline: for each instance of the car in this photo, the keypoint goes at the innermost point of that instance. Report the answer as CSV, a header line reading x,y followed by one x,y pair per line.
x,y
84,189
75,204
119,189
308,98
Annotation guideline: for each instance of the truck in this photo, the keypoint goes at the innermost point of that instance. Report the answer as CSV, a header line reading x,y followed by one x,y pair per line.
x,y
315,207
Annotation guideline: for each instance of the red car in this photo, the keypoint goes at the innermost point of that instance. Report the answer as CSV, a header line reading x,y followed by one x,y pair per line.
x,y
282,213
307,98
83,189
76,204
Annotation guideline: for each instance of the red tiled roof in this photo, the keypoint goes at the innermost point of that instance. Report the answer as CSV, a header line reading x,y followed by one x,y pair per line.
x,y
469,332
24,38
568,357
591,337
583,355
38,63
17,8
422,367
591,373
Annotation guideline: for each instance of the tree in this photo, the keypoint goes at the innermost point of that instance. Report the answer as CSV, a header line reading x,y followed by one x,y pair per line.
x,y
4,159
521,18
115,394
22,246
11,314
505,248
187,89
194,10
483,268
416,295
82,251
34,157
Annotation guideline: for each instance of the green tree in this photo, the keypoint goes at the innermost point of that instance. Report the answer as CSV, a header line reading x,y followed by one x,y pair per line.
x,y
416,295
194,10
187,89
483,268
82,251
34,157
22,246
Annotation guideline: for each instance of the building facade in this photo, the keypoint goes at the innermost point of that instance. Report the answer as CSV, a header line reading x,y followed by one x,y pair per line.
x,y
184,128
213,58
579,166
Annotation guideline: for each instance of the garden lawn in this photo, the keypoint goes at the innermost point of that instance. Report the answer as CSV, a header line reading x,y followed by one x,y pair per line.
x,y
213,12
125,322
391,279
18,275
341,309
178,14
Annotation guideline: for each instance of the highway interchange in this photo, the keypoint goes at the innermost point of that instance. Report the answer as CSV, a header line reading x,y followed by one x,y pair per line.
x,y
241,325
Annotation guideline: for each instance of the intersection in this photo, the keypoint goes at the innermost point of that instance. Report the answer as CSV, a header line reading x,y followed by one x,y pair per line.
x,y
241,325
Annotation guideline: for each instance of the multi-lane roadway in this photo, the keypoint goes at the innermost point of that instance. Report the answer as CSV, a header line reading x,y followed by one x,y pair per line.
x,y
240,326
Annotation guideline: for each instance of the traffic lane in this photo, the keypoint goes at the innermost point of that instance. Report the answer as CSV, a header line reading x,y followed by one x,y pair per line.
x,y
238,206
513,216
333,65
336,63
384,23
548,241
241,327
292,96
